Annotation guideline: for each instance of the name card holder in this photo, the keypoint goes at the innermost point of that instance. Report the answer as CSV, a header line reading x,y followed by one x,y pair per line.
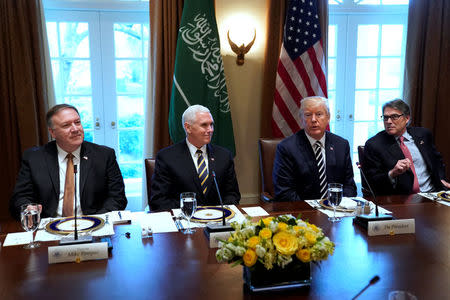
x,y
77,252
391,227
213,236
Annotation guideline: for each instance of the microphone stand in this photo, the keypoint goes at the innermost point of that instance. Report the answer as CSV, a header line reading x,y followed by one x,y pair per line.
x,y
372,281
75,239
217,227
75,167
363,220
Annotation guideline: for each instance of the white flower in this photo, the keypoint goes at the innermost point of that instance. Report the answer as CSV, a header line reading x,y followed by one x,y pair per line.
x,y
283,260
260,251
273,226
240,251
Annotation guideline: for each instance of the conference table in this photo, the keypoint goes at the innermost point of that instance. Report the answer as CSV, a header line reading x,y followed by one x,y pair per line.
x,y
178,266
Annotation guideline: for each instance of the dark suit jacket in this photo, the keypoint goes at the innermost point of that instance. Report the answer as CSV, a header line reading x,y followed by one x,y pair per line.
x,y
382,152
175,172
295,172
101,183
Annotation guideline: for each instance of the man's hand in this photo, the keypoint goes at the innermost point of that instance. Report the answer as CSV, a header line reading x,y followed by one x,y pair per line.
x,y
400,167
445,183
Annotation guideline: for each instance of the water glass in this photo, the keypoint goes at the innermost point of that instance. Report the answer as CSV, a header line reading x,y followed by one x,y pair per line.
x,y
334,198
188,205
30,217
401,295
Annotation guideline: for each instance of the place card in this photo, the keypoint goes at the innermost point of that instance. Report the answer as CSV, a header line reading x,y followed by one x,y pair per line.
x,y
17,238
214,236
255,211
391,227
77,253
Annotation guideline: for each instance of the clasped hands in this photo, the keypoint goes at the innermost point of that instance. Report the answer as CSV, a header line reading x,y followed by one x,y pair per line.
x,y
404,165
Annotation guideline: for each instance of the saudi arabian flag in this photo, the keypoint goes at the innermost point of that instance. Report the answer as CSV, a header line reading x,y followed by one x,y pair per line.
x,y
199,77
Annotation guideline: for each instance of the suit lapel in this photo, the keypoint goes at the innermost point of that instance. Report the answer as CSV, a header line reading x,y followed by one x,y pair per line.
x,y
330,152
393,148
305,147
86,159
51,159
191,168
422,146
211,167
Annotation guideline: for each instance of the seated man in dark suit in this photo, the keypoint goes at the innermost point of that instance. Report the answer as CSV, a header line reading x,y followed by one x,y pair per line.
x,y
183,168
401,159
309,159
46,175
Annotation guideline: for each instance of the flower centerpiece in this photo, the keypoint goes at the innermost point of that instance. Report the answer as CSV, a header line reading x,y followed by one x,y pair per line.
x,y
276,251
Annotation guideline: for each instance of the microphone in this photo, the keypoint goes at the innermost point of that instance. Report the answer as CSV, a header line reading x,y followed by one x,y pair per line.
x,y
83,238
372,281
217,227
220,197
75,171
364,220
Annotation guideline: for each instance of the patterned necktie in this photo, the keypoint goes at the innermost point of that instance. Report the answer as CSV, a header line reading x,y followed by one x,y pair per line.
x,y
321,167
69,188
407,154
202,171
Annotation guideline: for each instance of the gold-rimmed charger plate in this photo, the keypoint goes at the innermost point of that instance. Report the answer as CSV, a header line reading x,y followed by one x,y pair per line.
x,y
66,225
206,214
444,196
324,203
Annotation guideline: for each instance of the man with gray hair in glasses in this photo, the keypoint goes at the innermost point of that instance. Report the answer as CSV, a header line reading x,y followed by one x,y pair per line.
x,y
402,159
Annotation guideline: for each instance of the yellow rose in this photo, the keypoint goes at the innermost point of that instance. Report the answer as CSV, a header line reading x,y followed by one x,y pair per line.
x,y
313,227
304,255
285,243
267,221
311,238
253,241
230,239
282,226
249,257
265,233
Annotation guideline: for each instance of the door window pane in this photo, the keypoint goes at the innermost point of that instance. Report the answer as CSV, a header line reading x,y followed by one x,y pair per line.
x,y
390,73
367,40
366,73
391,37
365,105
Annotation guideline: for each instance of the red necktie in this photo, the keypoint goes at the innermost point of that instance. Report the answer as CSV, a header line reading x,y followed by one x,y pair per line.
x,y
407,154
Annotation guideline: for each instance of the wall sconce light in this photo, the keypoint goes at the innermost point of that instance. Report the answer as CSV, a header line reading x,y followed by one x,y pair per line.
x,y
240,50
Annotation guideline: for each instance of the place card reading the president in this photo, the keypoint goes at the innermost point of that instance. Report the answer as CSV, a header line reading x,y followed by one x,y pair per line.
x,y
391,227
77,253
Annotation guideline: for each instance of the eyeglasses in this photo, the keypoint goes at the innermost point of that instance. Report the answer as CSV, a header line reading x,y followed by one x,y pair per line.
x,y
393,117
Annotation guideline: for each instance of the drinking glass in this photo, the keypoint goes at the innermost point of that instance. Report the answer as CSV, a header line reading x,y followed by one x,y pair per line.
x,y
401,295
188,204
334,198
30,217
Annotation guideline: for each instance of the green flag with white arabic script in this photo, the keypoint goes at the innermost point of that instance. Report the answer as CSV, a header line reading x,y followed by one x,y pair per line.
x,y
199,77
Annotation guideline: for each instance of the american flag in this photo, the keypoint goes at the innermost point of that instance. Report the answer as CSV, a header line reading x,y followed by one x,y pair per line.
x,y
301,68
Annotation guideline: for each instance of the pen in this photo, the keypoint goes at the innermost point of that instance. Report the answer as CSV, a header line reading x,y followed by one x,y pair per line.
x,y
120,215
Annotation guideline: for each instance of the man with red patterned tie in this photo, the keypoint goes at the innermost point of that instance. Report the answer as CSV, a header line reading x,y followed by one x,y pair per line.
x,y
401,159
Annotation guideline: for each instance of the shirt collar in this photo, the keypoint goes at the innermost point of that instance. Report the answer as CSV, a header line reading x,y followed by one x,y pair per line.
x,y
193,149
406,135
312,140
62,154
